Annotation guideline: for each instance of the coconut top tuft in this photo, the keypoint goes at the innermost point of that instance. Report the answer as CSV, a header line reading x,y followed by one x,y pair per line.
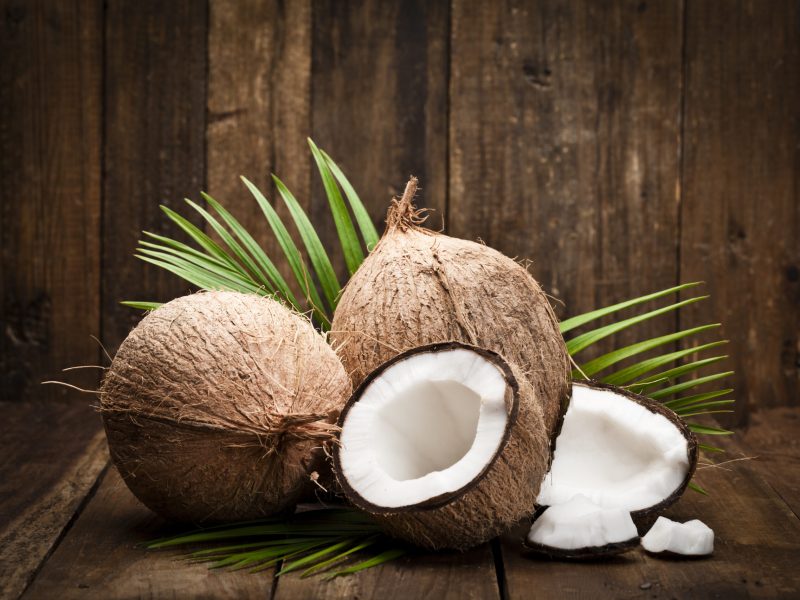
x,y
402,213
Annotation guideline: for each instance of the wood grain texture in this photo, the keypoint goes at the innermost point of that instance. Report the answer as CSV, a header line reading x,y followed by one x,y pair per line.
x,y
773,439
564,129
50,115
259,108
102,558
441,576
756,554
51,454
155,95
741,188
380,102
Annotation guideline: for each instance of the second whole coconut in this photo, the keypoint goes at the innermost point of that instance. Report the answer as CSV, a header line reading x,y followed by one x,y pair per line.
x,y
420,287
216,406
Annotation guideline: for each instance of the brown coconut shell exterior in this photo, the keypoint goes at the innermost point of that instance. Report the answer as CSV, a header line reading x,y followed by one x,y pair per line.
x,y
644,518
216,406
420,287
502,494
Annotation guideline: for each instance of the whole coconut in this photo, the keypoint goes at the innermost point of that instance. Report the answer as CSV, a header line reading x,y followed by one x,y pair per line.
x,y
420,287
216,405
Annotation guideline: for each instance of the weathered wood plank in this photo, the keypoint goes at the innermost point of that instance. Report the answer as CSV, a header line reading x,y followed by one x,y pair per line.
x,y
564,129
773,439
101,558
50,111
259,107
51,454
380,102
741,188
433,576
757,549
155,90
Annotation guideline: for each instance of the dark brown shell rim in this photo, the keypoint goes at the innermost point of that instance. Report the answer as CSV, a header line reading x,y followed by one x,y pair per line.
x,y
642,515
443,499
586,553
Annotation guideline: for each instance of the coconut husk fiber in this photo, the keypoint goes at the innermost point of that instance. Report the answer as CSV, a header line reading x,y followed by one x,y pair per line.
x,y
419,287
217,404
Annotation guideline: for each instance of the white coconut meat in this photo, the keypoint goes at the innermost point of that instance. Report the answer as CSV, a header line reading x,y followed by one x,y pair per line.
x,y
617,452
693,538
427,426
581,524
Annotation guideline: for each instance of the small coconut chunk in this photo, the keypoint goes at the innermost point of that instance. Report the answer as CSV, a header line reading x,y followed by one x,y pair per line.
x,y
617,451
582,528
693,538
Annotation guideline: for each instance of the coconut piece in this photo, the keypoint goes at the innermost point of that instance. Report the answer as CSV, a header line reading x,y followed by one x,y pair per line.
x,y
216,405
419,287
444,445
693,538
580,528
620,450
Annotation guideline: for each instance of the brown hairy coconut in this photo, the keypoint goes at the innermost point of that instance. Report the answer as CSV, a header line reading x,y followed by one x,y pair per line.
x,y
445,445
420,287
216,405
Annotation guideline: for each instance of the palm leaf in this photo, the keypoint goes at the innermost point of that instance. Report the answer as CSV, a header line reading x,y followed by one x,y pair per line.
x,y
351,248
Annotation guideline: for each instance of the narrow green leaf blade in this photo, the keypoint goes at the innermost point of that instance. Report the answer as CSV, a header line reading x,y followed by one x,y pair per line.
x,y
697,488
706,430
686,385
269,273
293,256
680,370
380,559
353,255
368,231
636,370
603,362
203,240
316,252
578,320
141,305
583,341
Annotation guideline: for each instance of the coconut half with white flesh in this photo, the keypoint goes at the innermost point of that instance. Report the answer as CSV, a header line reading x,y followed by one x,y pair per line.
x,y
580,529
693,538
445,445
620,450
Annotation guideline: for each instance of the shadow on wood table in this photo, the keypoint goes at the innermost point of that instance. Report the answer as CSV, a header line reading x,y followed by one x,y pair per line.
x,y
69,528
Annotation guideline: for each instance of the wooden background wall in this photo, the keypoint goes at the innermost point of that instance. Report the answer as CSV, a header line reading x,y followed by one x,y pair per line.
x,y
622,146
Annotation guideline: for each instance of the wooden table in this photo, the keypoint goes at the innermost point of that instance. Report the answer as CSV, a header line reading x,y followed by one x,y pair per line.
x,y
69,528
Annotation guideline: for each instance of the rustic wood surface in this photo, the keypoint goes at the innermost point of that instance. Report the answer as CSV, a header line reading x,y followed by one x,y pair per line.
x,y
620,146
50,167
76,532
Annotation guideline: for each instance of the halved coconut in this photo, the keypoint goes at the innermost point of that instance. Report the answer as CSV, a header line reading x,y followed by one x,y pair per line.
x,y
620,450
693,538
444,444
582,529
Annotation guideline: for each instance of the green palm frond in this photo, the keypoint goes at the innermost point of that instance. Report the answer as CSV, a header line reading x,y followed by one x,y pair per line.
x,y
321,542
328,541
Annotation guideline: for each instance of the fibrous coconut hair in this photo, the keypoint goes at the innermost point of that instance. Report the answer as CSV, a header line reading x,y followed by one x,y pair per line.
x,y
216,405
419,287
419,489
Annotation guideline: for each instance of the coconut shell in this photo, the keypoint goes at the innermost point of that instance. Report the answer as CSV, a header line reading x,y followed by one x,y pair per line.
x,y
588,553
420,287
644,518
216,405
501,495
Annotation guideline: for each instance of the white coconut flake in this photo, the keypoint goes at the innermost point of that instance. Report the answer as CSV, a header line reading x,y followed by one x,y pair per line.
x,y
693,538
615,452
580,523
427,426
